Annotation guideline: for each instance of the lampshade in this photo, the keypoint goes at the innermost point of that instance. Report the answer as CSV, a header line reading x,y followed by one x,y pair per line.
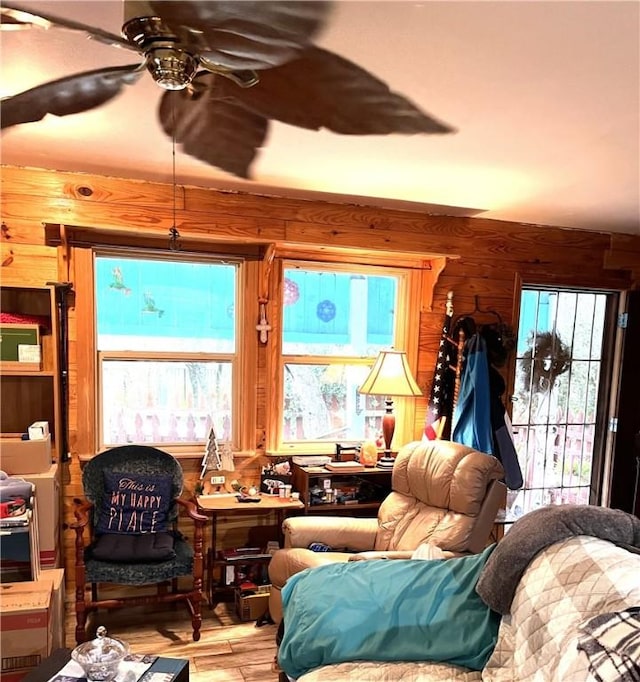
x,y
390,376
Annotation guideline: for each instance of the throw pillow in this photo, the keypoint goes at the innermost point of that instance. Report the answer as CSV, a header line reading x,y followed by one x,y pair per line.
x,y
134,503
121,548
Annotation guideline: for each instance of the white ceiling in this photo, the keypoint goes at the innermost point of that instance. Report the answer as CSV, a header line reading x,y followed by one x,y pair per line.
x,y
545,97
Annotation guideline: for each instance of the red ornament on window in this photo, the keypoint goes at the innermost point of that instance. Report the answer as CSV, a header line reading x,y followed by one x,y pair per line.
x,y
291,292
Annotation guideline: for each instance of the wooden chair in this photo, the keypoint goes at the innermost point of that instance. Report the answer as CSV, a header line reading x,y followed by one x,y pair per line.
x,y
127,534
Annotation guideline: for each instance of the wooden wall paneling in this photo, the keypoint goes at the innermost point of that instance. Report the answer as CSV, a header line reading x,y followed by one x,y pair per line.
x,y
20,231
157,221
27,264
34,183
489,257
624,252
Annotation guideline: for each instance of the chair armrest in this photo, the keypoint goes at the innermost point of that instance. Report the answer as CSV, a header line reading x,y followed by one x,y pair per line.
x,y
192,510
339,532
382,554
399,554
81,510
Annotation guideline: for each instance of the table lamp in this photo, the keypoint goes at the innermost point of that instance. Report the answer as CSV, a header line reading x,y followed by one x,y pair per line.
x,y
390,376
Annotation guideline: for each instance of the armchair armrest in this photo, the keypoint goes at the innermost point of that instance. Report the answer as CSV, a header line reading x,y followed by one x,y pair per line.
x,y
382,554
398,554
192,510
339,532
81,510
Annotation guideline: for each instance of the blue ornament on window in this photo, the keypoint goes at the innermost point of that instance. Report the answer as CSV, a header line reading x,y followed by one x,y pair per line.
x,y
326,310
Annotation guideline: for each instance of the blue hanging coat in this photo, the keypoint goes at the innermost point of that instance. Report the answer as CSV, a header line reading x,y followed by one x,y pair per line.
x,y
472,415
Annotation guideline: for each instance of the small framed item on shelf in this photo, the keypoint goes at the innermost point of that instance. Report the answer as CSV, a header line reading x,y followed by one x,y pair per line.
x,y
20,347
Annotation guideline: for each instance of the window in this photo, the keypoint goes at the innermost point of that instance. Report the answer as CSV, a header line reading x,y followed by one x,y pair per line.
x,y
166,342
335,321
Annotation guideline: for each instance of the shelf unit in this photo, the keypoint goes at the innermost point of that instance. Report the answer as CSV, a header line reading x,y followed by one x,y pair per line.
x,y
29,396
374,483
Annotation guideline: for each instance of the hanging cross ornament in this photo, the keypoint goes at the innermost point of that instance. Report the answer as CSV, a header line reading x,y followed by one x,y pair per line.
x,y
263,326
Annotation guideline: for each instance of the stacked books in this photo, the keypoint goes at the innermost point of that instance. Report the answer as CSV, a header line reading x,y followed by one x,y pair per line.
x,y
344,467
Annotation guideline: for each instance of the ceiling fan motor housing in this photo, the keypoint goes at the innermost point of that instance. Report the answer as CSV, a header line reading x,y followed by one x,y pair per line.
x,y
172,67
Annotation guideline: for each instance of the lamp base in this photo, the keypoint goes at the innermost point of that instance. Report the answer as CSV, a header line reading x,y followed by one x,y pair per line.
x,y
385,462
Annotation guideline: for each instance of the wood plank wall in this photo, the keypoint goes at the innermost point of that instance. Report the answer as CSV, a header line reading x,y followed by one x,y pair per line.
x,y
487,259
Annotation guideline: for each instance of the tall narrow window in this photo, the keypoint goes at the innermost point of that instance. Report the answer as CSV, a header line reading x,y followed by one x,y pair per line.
x,y
558,413
335,321
166,340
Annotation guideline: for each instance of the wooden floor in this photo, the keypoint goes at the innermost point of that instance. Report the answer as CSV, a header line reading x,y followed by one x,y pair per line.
x,y
228,651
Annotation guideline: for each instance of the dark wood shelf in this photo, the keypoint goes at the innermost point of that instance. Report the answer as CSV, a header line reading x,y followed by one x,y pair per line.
x,y
304,479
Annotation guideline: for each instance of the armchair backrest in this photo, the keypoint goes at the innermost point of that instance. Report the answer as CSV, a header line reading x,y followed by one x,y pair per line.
x,y
443,493
139,460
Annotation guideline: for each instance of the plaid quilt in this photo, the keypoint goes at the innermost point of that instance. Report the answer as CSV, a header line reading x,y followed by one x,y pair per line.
x,y
565,586
612,644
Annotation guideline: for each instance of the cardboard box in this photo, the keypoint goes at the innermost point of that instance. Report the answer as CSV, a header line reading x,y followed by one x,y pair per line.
x,y
26,635
56,577
25,456
251,606
47,515
38,430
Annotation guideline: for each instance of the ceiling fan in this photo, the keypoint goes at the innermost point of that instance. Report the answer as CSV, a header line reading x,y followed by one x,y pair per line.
x,y
227,68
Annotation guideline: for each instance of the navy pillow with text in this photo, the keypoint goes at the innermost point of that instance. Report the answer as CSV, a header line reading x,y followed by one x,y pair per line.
x,y
134,503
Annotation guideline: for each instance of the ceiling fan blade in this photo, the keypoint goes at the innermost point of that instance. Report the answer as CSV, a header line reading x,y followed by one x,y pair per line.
x,y
220,132
13,15
71,95
252,34
323,90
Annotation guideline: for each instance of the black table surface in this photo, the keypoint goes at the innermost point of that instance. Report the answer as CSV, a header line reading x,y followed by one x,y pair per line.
x,y
177,667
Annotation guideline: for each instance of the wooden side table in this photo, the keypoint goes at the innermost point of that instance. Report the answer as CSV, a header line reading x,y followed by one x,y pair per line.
x,y
228,505
304,478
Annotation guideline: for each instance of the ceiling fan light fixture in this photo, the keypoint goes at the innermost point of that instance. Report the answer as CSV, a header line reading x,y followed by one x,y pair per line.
x,y
171,68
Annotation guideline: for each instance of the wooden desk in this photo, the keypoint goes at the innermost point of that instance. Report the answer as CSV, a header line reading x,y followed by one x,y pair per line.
x,y
226,505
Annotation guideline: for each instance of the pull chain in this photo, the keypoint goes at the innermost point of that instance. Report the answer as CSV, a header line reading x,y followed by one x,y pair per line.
x,y
174,235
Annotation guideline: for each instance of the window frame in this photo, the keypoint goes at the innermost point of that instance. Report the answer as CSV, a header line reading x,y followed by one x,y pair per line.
x,y
407,321
243,372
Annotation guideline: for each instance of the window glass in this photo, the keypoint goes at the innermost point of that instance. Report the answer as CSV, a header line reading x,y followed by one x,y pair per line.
x,y
145,401
334,325
166,338
163,305
337,313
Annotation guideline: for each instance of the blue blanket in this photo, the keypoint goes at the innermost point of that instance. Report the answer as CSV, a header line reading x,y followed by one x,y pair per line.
x,y
397,610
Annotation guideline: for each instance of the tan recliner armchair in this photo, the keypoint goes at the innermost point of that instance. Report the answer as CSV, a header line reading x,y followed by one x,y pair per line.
x,y
443,493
